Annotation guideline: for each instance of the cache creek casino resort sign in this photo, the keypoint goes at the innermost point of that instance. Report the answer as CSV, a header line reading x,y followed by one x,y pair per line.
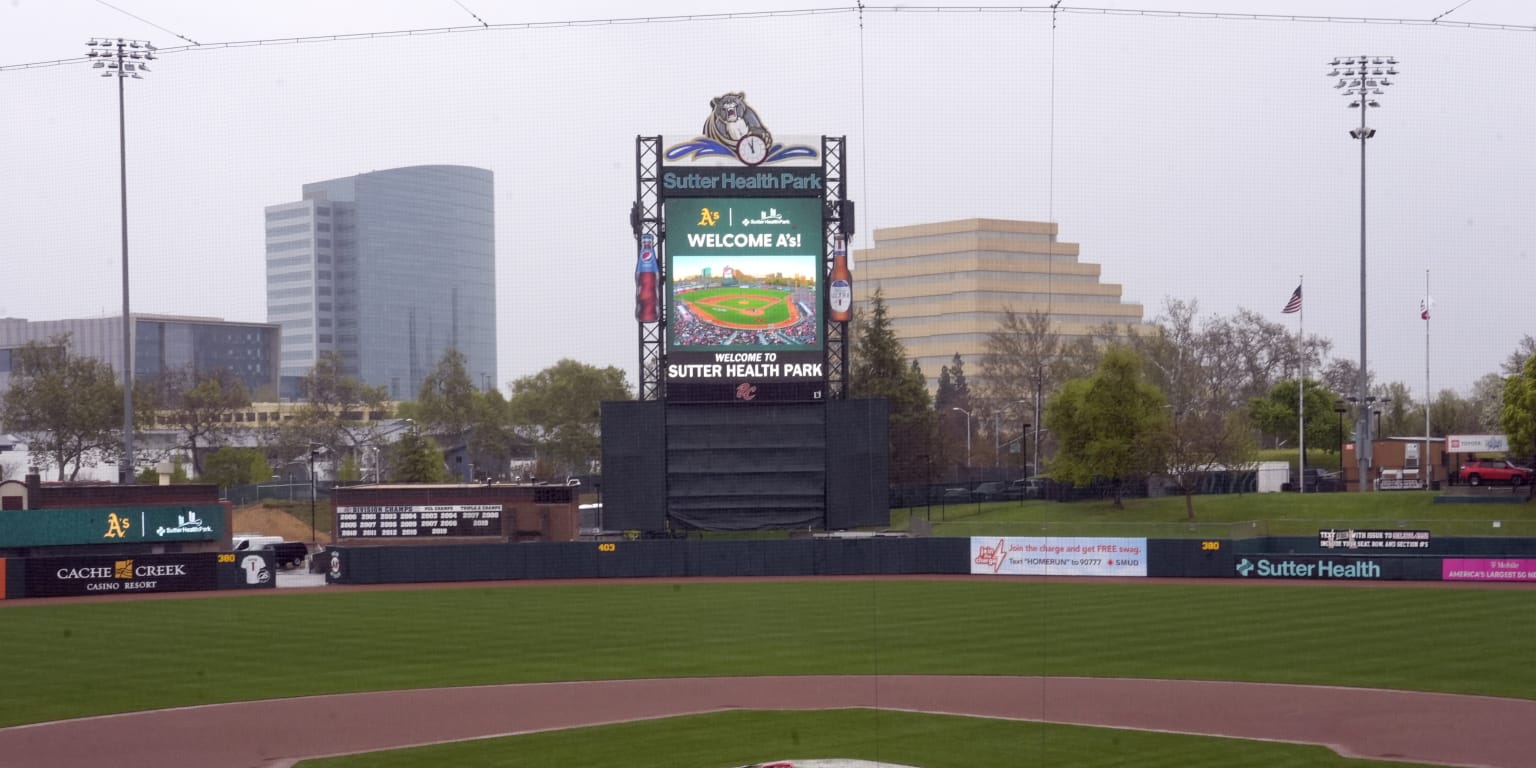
x,y
744,249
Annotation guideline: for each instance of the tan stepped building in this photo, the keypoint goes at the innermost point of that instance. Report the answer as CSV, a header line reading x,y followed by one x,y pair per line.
x,y
946,286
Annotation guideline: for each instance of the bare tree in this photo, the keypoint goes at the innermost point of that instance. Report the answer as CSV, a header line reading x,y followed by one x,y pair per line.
x,y
1515,363
1025,364
200,405
1191,363
66,408
1487,404
1342,377
339,413
1200,443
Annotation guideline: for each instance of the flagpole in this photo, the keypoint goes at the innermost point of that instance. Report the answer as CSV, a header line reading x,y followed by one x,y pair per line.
x,y
1301,389
1429,469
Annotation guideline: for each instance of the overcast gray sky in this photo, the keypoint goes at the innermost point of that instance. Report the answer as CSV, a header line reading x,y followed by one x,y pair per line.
x,y
1193,157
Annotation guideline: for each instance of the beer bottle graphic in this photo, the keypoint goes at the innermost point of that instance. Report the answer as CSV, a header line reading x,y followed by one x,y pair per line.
x,y
647,300
840,292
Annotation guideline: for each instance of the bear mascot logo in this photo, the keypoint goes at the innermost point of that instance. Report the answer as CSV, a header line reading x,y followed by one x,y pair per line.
x,y
731,119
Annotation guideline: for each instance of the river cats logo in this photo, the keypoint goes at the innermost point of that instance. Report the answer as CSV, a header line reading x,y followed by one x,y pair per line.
x,y
734,129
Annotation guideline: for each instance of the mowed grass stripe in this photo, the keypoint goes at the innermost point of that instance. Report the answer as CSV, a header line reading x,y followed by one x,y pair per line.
x,y
931,741
66,660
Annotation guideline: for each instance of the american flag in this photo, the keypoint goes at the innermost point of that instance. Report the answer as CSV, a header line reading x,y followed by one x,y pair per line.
x,y
1294,305
1424,306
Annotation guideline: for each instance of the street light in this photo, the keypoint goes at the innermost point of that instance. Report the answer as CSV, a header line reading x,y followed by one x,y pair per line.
x,y
1024,449
314,449
1340,408
1362,78
404,424
967,439
124,59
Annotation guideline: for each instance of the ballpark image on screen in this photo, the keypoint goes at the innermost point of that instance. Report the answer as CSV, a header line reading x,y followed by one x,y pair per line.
x,y
744,274
746,301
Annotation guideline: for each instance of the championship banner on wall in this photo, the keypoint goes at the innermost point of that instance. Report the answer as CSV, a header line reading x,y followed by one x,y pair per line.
x,y
418,521
1058,556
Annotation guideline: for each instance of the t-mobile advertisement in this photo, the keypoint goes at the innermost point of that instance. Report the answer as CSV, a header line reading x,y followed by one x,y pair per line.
x,y
1498,569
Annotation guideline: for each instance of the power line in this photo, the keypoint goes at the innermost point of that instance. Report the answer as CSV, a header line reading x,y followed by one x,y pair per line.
x,y
1451,11
151,23
791,13
472,13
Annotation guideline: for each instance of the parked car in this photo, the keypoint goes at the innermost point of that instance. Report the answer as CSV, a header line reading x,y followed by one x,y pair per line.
x,y
955,495
1026,488
1318,481
990,491
1479,471
287,554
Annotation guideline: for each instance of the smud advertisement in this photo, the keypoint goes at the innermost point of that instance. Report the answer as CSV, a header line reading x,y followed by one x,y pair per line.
x,y
1058,556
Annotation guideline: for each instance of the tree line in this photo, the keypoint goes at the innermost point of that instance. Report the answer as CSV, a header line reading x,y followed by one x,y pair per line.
x,y
1182,396
68,410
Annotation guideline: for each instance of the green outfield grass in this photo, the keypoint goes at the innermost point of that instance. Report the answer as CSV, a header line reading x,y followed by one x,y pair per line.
x,y
775,310
69,660
931,741
1227,516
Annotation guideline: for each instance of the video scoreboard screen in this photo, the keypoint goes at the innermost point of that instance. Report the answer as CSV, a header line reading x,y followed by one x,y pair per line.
x,y
744,299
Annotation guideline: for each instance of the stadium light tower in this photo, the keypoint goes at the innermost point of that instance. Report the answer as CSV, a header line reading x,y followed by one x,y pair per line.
x,y
121,58
1361,78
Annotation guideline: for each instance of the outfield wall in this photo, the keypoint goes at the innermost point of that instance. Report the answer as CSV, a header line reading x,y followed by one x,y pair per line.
x,y
131,574
875,556
647,559
815,557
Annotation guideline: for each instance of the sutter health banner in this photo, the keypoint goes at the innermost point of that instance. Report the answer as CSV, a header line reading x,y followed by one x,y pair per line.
x,y
1058,556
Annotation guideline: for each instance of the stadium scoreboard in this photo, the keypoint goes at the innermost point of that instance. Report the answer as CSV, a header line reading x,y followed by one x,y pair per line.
x,y
744,297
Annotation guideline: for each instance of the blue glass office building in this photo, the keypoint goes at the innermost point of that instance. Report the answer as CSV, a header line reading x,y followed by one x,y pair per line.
x,y
160,343
390,269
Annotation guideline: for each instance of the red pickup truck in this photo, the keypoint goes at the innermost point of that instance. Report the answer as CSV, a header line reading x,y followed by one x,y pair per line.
x,y
1479,471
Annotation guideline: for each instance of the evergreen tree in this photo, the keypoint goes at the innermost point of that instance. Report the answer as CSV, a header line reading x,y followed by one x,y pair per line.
x,y
417,460
962,389
881,370
447,402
